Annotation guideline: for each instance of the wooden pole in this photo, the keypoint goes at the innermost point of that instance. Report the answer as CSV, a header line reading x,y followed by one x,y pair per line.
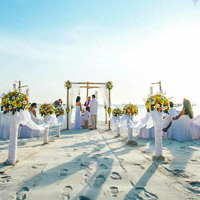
x,y
87,91
160,86
20,86
109,112
106,116
68,108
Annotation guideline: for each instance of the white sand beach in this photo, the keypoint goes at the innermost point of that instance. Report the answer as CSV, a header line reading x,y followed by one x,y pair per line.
x,y
84,164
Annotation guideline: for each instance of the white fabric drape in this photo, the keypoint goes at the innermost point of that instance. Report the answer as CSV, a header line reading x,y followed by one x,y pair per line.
x,y
127,120
74,91
12,149
104,91
158,124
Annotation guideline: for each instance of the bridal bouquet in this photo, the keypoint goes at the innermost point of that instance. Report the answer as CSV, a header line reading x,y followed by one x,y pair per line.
x,y
130,109
14,102
46,109
157,102
59,111
117,112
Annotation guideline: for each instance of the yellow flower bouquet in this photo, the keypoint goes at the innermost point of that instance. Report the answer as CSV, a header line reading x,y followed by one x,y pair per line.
x,y
117,112
14,102
130,109
157,102
59,111
68,84
46,109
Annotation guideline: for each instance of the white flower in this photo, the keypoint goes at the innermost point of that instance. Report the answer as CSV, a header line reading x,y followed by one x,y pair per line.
x,y
24,102
10,102
13,98
17,98
4,108
10,107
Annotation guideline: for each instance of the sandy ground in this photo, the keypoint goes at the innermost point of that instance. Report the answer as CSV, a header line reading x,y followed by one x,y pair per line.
x,y
89,165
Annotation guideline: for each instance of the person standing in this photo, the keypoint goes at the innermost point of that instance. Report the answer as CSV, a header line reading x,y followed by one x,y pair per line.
x,y
78,122
86,104
93,112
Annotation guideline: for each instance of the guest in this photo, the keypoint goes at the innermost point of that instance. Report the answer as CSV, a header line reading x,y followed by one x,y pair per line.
x,y
86,104
167,121
180,129
78,122
58,103
93,112
86,118
32,109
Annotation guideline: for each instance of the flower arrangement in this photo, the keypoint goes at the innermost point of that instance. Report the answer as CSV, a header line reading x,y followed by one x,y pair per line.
x,y
109,110
117,112
67,109
14,102
109,85
130,109
157,102
59,111
46,109
68,84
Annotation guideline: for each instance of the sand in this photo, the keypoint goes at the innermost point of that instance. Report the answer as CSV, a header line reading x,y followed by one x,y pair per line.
x,y
87,165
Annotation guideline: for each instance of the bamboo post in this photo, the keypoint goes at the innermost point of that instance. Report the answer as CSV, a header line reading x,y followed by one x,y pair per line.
x,y
68,108
160,87
106,116
109,123
87,90
20,86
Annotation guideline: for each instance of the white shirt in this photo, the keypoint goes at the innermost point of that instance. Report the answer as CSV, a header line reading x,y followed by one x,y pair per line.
x,y
86,115
93,107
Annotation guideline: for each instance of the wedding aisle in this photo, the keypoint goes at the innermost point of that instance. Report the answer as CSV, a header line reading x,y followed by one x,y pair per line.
x,y
86,165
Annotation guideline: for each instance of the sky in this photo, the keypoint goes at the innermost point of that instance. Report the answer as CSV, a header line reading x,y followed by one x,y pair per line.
x,y
133,43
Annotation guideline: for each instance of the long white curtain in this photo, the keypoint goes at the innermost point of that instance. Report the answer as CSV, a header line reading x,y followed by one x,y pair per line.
x,y
104,91
74,91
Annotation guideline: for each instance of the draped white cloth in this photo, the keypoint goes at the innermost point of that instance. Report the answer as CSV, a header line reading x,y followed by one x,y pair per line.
x,y
117,121
158,124
105,94
74,91
5,127
195,127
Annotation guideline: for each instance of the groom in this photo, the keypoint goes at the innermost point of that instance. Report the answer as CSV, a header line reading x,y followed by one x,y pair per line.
x,y
93,112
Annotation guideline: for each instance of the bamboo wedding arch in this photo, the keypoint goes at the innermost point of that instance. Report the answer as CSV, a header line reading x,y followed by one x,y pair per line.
x,y
90,85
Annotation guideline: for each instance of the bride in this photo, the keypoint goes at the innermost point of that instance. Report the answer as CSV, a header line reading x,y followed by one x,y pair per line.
x,y
78,123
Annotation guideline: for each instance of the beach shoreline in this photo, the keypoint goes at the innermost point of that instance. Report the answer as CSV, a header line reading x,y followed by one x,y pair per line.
x,y
84,164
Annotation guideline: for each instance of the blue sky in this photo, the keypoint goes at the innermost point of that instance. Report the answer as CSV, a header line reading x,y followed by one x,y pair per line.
x,y
131,42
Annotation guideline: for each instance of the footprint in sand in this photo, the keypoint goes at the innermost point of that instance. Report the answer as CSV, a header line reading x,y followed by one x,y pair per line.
x,y
116,176
84,198
66,192
64,172
147,194
67,155
99,181
102,166
6,178
114,191
22,194
194,186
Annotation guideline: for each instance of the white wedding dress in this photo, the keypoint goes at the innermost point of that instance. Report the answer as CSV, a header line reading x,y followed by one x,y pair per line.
x,y
78,120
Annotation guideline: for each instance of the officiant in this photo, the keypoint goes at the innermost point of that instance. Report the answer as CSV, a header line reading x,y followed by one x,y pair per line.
x,y
87,102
